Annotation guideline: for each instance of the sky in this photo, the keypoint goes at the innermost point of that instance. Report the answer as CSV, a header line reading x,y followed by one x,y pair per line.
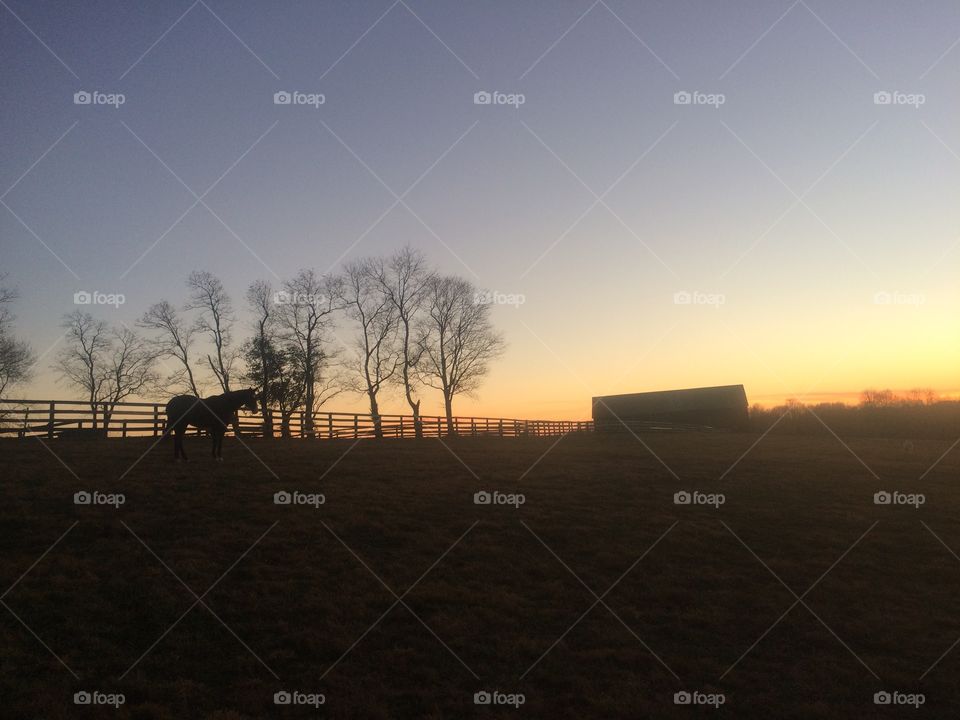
x,y
673,194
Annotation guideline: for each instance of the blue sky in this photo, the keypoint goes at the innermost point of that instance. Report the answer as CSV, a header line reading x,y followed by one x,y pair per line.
x,y
796,201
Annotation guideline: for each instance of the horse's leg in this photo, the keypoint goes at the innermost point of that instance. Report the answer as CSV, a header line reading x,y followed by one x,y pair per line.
x,y
181,431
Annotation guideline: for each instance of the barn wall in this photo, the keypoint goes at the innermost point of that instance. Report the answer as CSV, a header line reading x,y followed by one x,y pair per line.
x,y
721,407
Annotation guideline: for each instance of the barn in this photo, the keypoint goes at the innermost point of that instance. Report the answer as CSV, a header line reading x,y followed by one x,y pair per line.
x,y
724,406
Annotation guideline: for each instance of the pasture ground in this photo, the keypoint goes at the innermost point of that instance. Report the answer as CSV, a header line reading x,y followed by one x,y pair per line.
x,y
492,597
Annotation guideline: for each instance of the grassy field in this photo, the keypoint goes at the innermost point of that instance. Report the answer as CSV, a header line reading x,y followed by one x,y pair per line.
x,y
491,597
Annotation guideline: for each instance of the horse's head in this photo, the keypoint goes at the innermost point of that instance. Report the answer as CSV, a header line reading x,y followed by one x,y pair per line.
x,y
249,398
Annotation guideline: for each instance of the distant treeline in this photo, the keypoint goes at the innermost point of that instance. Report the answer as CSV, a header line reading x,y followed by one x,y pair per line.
x,y
880,413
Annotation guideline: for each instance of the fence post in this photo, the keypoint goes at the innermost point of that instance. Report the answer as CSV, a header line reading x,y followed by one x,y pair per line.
x,y
356,426
123,430
473,427
330,426
53,415
500,428
156,420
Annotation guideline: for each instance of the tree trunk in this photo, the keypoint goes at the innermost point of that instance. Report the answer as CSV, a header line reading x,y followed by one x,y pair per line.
x,y
448,406
417,422
375,415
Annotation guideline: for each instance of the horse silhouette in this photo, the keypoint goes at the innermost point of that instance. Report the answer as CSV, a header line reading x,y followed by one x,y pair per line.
x,y
212,414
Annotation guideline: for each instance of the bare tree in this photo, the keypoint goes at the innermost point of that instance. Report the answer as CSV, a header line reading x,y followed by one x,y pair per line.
x,y
259,349
216,319
16,357
367,302
174,340
457,340
404,279
306,305
107,365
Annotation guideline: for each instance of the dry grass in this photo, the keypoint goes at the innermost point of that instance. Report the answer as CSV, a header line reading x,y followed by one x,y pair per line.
x,y
498,599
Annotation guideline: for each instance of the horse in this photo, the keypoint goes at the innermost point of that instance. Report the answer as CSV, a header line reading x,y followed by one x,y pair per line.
x,y
211,414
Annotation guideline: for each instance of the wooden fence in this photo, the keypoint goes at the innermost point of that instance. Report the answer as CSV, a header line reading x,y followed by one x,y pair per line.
x,y
76,418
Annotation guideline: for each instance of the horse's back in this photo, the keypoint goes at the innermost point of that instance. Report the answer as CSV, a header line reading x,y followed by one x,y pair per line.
x,y
180,406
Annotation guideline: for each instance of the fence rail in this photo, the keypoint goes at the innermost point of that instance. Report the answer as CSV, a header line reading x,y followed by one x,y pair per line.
x,y
76,418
